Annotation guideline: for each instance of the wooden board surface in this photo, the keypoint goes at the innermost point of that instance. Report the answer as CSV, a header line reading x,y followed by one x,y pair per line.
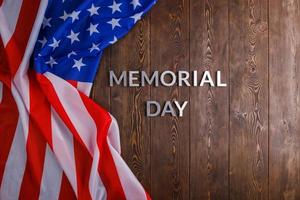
x,y
248,43
284,37
238,142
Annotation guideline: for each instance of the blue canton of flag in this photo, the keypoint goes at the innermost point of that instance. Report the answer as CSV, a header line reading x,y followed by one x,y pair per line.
x,y
74,34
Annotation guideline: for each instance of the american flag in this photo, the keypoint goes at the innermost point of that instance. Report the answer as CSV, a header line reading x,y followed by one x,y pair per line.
x,y
55,142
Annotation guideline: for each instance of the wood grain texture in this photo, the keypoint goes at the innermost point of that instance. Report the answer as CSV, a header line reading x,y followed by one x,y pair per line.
x,y
170,135
248,99
209,107
284,99
101,90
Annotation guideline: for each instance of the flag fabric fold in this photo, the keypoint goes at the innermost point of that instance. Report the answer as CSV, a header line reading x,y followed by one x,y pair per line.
x,y
55,142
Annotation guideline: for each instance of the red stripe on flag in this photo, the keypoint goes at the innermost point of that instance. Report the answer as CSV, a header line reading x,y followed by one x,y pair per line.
x,y
5,75
82,155
106,168
39,135
8,124
66,190
83,162
16,46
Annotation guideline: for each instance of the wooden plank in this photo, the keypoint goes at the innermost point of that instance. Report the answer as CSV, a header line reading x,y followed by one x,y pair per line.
x,y
248,99
170,135
101,90
284,100
127,104
209,107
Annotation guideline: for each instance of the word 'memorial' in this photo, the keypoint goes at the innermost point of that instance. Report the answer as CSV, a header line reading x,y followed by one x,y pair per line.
x,y
165,78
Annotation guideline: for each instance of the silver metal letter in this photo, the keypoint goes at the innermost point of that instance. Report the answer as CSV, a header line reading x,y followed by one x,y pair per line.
x,y
153,78
173,77
180,107
113,78
168,109
183,76
219,82
133,78
148,110
206,78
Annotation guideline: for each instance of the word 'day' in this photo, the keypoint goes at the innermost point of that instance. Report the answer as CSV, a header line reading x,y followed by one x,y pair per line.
x,y
173,109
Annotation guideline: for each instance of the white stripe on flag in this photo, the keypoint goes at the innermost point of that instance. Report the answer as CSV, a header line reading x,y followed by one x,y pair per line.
x,y
97,189
85,88
20,91
76,110
114,135
63,148
9,14
52,176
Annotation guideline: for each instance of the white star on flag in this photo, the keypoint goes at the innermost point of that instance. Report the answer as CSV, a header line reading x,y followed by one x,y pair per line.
x,y
78,64
137,17
73,37
46,22
93,28
114,23
65,16
135,3
55,44
93,10
74,15
43,41
51,62
94,47
115,7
